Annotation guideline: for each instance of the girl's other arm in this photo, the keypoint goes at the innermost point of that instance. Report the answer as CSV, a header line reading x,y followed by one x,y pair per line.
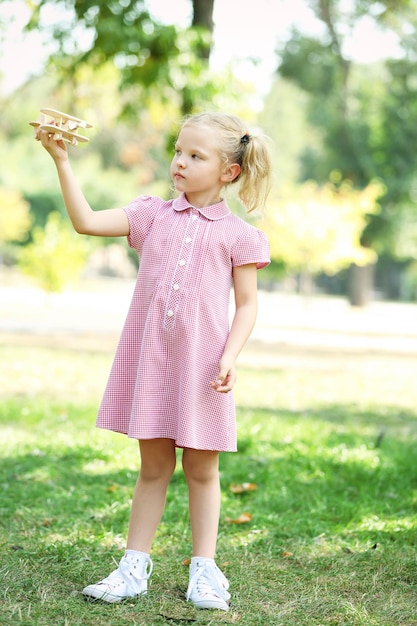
x,y
108,223
246,303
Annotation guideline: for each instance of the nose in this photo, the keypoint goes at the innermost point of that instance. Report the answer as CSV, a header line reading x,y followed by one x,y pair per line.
x,y
180,161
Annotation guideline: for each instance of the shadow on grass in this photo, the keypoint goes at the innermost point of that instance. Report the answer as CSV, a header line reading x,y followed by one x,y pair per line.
x,y
333,473
54,494
334,469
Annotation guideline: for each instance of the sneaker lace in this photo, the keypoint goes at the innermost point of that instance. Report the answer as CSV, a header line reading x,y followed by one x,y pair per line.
x,y
134,572
208,580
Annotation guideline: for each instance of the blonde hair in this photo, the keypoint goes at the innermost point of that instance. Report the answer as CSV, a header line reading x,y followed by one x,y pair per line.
x,y
251,152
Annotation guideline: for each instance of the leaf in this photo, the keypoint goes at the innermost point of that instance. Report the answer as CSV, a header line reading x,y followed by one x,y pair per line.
x,y
47,522
112,488
187,563
243,487
286,554
244,518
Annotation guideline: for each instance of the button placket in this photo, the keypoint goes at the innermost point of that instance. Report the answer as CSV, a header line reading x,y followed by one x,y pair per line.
x,y
182,265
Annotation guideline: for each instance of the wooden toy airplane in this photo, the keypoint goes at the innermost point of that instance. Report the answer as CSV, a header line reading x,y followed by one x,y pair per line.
x,y
63,127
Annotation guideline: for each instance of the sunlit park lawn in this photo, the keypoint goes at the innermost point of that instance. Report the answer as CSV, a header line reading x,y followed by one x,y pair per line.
x,y
326,469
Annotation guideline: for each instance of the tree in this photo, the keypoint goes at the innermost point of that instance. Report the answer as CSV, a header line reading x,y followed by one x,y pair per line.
x,y
357,111
317,228
149,54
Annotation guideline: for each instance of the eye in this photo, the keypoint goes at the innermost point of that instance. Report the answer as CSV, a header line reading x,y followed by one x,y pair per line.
x,y
195,156
177,151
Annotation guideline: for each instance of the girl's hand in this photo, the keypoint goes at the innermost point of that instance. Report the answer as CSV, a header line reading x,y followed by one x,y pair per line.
x,y
226,377
57,149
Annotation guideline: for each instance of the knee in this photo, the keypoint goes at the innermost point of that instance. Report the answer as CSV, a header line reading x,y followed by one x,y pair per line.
x,y
156,471
157,466
200,465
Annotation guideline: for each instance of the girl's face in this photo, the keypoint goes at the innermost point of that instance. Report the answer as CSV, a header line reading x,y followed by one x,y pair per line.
x,y
197,168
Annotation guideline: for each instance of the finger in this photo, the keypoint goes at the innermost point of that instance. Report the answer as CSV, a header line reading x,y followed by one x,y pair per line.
x,y
221,388
44,136
224,389
48,141
219,382
222,385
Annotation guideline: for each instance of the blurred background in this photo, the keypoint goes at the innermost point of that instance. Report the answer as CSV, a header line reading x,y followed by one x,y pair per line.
x,y
332,82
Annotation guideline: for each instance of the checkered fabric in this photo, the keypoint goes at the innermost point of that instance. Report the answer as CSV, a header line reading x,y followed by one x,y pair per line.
x,y
178,323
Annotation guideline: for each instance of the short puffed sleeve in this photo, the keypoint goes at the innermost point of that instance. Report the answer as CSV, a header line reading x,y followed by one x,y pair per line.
x,y
251,247
141,213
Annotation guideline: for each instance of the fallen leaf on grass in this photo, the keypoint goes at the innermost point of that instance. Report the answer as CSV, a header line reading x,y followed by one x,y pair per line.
x,y
187,562
112,488
243,487
47,522
244,518
286,554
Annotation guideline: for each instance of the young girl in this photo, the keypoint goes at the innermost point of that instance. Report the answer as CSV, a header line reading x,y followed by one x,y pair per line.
x,y
174,369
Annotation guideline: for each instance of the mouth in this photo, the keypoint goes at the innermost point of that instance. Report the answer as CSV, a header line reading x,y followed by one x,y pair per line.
x,y
177,175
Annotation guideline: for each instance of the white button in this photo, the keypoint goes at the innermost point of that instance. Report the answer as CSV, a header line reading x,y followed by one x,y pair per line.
x,y
194,217
187,239
176,286
170,313
182,262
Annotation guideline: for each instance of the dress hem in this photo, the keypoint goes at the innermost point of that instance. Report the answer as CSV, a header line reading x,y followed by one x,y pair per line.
x,y
177,444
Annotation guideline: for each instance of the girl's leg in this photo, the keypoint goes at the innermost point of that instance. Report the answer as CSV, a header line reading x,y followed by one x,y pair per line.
x,y
208,587
201,469
131,577
157,466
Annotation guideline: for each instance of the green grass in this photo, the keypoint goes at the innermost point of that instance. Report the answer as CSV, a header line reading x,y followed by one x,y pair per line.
x,y
329,440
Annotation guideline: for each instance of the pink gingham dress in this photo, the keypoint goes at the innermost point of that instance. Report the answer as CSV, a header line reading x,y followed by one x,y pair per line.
x,y
178,323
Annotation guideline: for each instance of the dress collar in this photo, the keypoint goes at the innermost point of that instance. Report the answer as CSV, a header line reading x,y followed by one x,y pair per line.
x,y
213,212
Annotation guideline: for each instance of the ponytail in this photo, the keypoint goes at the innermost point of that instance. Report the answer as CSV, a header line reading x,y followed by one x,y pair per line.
x,y
255,177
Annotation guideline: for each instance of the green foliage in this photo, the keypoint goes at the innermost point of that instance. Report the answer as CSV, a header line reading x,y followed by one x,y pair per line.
x,y
284,118
151,57
15,219
56,255
42,205
312,63
366,116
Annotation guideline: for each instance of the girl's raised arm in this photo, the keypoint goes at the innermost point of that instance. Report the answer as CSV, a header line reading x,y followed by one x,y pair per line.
x,y
107,223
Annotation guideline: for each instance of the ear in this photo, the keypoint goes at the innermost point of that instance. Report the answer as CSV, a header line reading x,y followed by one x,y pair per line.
x,y
230,173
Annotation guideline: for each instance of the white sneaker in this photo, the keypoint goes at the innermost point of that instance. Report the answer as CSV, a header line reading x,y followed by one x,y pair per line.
x,y
208,585
129,580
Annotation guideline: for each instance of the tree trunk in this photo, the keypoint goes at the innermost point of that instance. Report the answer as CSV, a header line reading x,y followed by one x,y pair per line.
x,y
360,284
305,283
203,18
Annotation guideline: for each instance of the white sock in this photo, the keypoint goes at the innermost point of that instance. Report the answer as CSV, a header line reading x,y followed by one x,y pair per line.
x,y
135,555
200,559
